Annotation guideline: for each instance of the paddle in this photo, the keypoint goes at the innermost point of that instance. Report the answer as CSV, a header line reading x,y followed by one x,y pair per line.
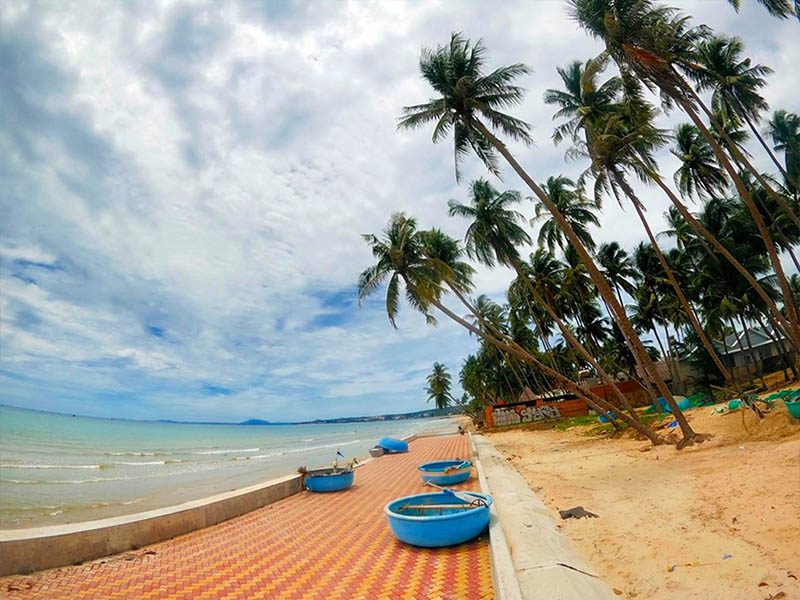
x,y
458,467
467,497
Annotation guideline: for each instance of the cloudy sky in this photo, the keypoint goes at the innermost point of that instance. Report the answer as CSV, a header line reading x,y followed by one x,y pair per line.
x,y
184,186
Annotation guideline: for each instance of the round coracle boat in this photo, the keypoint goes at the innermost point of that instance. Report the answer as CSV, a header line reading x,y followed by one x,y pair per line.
x,y
393,446
328,480
446,472
440,519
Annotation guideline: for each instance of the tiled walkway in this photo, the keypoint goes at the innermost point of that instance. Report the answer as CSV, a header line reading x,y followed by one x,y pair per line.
x,y
326,546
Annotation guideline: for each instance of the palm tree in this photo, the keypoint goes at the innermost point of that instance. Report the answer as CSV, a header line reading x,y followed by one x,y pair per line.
x,y
493,237
784,129
735,84
617,267
625,141
467,98
414,260
576,208
439,386
699,173
581,100
653,42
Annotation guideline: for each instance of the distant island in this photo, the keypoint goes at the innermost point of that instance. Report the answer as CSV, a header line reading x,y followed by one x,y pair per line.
x,y
420,414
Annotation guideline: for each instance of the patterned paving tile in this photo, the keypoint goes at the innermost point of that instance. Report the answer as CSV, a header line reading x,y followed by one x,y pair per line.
x,y
308,546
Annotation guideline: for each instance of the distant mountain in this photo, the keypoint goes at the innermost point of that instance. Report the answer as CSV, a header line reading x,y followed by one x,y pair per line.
x,y
420,414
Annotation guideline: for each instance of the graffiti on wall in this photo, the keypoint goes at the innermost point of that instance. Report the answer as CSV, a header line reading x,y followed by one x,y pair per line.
x,y
511,415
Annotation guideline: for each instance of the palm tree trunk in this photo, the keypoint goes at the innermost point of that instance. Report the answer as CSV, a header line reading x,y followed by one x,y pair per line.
x,y
639,352
772,332
719,247
592,399
772,156
637,205
756,361
741,188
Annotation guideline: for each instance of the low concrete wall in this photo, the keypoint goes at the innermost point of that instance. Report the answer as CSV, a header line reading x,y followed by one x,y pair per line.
x,y
35,549
546,565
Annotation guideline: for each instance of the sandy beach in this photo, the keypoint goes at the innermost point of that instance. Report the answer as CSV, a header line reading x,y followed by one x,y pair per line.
x,y
716,521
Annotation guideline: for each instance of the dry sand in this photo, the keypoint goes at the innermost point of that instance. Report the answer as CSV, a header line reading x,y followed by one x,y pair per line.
x,y
716,521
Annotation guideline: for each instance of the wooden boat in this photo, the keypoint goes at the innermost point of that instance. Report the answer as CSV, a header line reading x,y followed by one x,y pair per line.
x,y
446,472
440,519
328,480
391,445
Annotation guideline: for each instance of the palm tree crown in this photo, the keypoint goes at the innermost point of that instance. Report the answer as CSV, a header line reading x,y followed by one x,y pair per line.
x,y
494,234
575,207
467,96
439,382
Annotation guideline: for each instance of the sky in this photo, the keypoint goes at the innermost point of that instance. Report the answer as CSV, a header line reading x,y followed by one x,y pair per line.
x,y
184,186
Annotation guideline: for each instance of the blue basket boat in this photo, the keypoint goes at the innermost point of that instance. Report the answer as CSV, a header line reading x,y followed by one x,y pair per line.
x,y
446,472
392,445
441,519
326,480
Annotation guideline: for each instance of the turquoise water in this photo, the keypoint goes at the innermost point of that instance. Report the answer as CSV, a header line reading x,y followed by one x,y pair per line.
x,y
62,469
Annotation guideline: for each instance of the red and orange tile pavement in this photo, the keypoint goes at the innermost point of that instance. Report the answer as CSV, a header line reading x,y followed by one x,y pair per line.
x,y
308,546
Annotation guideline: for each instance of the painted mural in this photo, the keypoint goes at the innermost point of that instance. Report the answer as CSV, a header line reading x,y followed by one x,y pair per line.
x,y
523,413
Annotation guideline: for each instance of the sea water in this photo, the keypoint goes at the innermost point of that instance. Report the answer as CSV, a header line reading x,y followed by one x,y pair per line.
x,y
57,468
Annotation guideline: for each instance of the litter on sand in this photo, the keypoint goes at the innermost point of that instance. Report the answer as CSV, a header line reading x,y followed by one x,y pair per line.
x,y
577,512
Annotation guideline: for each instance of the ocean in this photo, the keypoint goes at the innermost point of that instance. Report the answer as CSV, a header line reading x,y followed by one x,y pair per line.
x,y
57,469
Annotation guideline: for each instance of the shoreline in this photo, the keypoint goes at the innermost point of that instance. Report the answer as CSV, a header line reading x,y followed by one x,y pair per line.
x,y
57,505
32,549
25,550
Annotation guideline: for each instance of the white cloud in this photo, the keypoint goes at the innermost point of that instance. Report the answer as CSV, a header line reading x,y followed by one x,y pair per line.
x,y
187,186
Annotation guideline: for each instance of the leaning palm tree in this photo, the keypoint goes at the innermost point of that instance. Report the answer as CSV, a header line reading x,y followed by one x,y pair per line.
x,y
493,237
427,265
576,208
656,44
625,142
582,100
617,267
735,84
699,174
469,99
439,383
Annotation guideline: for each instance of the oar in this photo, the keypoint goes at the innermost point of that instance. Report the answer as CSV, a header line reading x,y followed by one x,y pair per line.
x,y
465,496
457,467
436,506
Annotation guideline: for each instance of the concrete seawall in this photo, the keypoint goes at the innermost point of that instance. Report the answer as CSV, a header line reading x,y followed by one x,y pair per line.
x,y
38,548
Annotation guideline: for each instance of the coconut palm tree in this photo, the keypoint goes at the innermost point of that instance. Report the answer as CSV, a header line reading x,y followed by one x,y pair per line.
x,y
625,141
784,129
617,267
576,208
582,100
699,174
415,260
656,44
439,383
467,98
735,84
493,237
